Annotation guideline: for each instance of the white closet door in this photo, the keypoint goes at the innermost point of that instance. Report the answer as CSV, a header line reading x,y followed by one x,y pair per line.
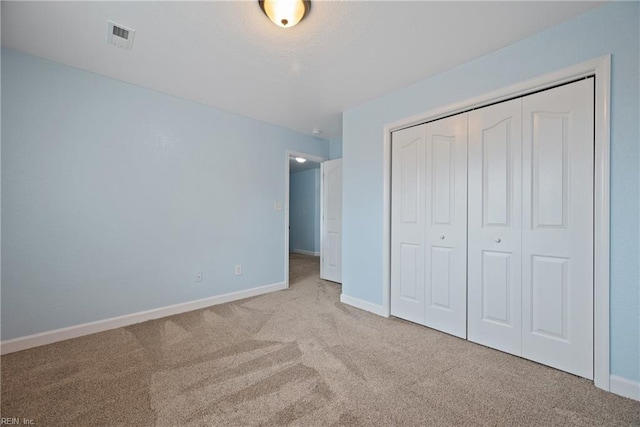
x,y
494,275
446,225
407,224
557,300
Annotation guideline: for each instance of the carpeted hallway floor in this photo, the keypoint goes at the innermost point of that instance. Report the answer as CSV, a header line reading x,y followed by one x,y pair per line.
x,y
295,357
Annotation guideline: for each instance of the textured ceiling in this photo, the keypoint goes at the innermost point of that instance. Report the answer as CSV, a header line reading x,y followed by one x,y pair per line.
x,y
230,56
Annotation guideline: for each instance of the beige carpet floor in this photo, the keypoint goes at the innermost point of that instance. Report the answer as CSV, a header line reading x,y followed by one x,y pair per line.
x,y
296,357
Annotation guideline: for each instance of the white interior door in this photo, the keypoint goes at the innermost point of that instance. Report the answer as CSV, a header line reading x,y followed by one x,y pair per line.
x,y
495,230
557,237
331,248
445,199
407,224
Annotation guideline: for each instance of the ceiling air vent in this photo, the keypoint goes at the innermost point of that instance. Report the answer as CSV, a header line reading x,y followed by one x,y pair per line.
x,y
120,36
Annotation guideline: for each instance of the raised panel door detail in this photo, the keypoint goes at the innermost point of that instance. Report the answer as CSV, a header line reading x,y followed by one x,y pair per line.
x,y
549,287
409,185
446,225
408,271
495,211
496,287
557,232
333,240
333,208
441,277
550,169
443,179
408,224
496,176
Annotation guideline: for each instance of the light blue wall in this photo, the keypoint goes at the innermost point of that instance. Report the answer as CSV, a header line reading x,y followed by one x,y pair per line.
x,y
335,148
114,196
613,29
304,211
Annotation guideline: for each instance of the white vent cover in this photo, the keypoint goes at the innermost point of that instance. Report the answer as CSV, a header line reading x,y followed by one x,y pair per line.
x,y
120,36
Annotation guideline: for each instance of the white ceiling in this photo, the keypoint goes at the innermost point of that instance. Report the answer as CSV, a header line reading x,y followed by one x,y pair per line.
x,y
230,56
294,166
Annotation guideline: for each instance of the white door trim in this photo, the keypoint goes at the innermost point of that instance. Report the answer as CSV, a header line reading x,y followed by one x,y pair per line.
x,y
287,155
601,69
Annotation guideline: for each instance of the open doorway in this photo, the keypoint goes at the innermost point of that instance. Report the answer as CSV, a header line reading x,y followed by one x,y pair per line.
x,y
304,203
313,217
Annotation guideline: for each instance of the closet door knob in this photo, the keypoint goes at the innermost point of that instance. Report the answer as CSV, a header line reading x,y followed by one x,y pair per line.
x,y
498,240
442,236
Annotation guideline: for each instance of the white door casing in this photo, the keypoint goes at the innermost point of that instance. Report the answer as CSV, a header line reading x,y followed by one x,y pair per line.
x,y
557,238
331,245
494,245
445,198
408,225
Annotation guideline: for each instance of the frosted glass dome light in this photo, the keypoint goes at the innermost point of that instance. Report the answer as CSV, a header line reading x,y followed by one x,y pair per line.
x,y
285,13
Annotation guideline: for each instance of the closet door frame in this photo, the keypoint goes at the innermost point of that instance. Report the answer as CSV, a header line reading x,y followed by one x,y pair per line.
x,y
600,68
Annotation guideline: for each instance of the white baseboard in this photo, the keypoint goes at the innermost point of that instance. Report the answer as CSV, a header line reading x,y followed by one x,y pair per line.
x,y
624,387
304,252
363,305
49,337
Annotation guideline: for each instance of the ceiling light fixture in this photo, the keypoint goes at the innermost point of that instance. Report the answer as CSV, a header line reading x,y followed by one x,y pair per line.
x,y
300,159
285,13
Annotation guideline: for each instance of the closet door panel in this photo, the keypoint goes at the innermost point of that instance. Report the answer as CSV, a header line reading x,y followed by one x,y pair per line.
x,y
558,144
494,247
446,225
408,224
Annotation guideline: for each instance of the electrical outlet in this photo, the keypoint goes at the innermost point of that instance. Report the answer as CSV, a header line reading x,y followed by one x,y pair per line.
x,y
199,276
238,270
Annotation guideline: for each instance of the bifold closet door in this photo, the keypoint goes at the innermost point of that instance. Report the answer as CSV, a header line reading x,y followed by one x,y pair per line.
x,y
495,244
557,232
446,225
407,224
531,227
428,224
